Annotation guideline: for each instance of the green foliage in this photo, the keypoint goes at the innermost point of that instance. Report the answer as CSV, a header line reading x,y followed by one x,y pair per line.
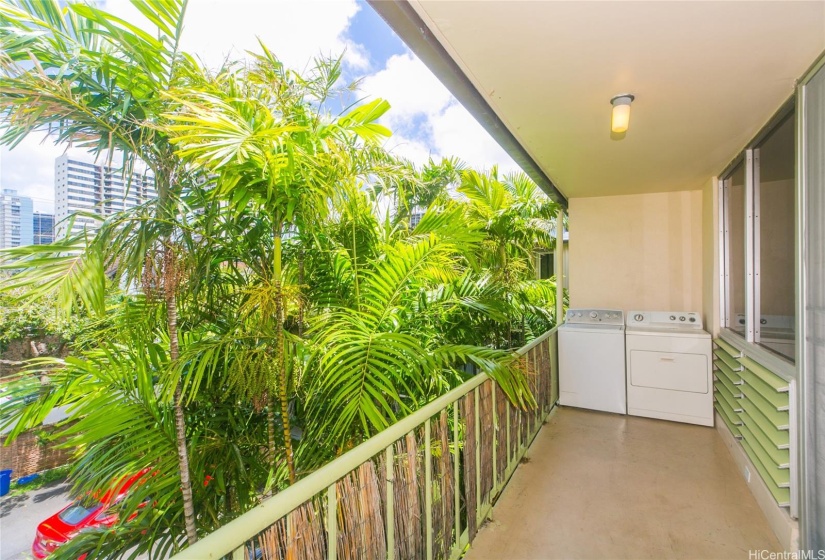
x,y
274,317
46,478
33,315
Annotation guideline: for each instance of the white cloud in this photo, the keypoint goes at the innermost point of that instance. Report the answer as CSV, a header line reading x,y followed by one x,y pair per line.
x,y
296,31
456,132
414,150
29,169
426,118
412,90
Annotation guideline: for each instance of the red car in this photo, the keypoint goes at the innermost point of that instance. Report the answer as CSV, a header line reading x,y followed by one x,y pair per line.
x,y
88,512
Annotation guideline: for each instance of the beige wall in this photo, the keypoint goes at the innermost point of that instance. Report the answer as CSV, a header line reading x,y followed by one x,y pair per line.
x,y
637,252
710,256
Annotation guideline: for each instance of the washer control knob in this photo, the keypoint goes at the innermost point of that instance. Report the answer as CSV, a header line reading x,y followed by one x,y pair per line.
x,y
682,318
638,317
692,319
673,317
593,315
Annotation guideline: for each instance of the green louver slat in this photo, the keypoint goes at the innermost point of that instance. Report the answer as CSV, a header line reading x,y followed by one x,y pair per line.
x,y
723,369
767,376
779,457
728,359
734,404
781,495
779,418
723,414
781,438
721,379
780,477
732,352
731,414
777,400
755,403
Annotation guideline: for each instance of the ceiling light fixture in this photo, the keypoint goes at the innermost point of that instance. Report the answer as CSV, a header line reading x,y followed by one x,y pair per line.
x,y
621,112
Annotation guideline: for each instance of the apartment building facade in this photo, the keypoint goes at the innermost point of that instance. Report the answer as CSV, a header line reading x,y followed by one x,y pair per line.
x,y
42,228
15,219
90,188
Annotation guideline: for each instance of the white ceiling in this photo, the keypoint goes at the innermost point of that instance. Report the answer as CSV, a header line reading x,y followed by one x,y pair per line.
x,y
706,76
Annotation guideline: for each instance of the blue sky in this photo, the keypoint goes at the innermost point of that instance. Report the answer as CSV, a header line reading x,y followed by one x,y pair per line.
x,y
425,119
368,29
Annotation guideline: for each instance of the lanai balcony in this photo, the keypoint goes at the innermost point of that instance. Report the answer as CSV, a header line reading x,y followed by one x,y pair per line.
x,y
711,202
470,474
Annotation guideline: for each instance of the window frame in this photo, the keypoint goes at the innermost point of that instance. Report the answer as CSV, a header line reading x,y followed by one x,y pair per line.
x,y
749,157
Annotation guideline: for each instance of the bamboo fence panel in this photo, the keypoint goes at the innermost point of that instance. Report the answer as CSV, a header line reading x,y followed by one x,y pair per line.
x,y
443,488
298,536
469,458
409,507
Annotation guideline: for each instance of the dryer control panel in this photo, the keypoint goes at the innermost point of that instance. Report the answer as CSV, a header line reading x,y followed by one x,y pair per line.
x,y
665,319
595,317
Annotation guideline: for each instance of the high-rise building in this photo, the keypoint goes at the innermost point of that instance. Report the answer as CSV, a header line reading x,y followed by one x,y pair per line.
x,y
42,228
81,186
15,219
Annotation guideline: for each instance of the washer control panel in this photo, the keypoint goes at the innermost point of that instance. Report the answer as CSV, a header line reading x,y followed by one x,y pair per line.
x,y
595,316
665,319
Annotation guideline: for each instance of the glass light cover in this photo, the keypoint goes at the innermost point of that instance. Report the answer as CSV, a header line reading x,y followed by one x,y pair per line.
x,y
621,114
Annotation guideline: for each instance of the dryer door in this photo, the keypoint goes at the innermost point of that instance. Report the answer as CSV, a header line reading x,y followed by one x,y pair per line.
x,y
669,370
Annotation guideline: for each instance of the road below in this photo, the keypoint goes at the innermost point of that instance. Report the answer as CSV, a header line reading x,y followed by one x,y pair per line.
x,y
20,515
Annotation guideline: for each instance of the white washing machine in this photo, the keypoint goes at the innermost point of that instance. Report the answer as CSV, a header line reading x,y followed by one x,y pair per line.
x,y
591,360
669,372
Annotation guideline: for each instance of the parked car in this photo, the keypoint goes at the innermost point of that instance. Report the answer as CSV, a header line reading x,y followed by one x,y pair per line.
x,y
87,512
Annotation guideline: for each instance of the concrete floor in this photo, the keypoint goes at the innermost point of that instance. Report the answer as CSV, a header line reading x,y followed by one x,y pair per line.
x,y
600,485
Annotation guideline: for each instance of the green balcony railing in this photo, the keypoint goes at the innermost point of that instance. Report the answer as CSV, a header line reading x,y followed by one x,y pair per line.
x,y
419,489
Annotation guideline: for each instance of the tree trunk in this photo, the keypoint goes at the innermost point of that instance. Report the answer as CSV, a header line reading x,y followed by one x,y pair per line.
x,y
270,439
283,393
170,289
300,295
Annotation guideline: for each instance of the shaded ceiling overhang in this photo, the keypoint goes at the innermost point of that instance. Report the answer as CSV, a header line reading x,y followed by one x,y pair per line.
x,y
539,77
408,25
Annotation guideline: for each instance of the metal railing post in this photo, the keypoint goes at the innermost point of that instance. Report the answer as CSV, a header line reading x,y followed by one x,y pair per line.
x,y
493,388
509,444
332,522
456,475
478,454
389,459
558,261
428,487
535,415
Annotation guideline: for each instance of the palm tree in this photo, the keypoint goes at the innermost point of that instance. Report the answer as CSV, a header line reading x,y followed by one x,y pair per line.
x,y
96,82
277,156
518,219
284,195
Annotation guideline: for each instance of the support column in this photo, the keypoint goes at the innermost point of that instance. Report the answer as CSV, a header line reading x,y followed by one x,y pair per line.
x,y
558,265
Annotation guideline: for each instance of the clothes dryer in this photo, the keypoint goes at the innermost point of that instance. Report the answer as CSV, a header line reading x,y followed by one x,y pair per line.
x,y
669,371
